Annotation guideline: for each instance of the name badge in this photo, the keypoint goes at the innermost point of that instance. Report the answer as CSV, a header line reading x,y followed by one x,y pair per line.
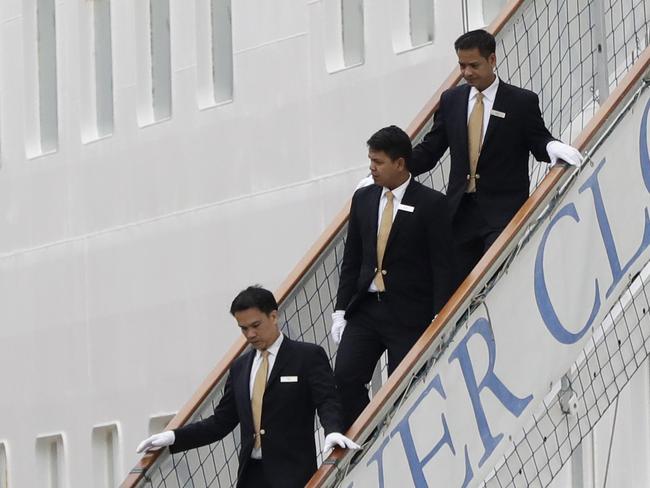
x,y
406,208
496,113
288,379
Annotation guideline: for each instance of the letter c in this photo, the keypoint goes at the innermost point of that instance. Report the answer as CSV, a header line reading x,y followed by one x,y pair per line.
x,y
643,148
551,320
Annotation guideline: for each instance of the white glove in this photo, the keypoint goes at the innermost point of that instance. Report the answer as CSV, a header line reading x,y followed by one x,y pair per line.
x,y
157,441
569,154
367,181
338,325
335,439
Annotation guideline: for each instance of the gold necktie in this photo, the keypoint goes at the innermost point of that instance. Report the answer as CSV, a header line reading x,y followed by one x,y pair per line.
x,y
382,238
259,385
474,139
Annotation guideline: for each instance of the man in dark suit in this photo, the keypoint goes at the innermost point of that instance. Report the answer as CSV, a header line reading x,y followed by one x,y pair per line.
x,y
489,127
272,392
396,270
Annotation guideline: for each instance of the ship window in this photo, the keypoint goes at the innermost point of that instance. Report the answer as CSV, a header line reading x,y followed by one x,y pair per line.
x,y
412,24
41,77
352,19
480,13
154,62
46,18
105,445
161,59
4,467
421,21
214,46
50,461
159,423
491,9
97,65
344,34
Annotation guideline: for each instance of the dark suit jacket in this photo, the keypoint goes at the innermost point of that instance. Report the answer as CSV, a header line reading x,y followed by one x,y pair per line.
x,y
503,185
417,259
288,447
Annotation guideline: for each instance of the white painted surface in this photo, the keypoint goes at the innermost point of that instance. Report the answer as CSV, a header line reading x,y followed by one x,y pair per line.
x,y
119,257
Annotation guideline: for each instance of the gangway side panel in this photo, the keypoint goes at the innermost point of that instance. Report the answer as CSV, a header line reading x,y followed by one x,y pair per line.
x,y
503,360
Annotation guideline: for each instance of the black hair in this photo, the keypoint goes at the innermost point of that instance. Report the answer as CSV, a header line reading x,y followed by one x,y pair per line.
x,y
480,39
254,297
393,141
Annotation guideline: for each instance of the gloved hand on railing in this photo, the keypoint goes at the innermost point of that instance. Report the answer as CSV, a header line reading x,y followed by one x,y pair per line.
x,y
335,439
157,441
338,325
558,150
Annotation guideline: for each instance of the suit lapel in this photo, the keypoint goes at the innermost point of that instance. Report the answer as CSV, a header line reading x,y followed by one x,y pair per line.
x,y
372,212
494,122
243,386
461,123
398,222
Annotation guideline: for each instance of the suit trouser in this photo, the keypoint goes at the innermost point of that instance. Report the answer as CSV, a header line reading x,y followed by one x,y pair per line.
x,y
370,331
253,475
472,236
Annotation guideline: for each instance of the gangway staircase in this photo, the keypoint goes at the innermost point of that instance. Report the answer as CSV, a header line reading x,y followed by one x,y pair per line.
x,y
540,341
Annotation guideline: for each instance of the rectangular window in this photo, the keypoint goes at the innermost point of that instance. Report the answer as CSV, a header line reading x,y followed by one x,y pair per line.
x,y
50,461
41,89
214,46
413,24
97,65
105,452
159,423
47,81
491,9
353,41
4,466
344,32
480,13
103,67
421,22
161,72
154,61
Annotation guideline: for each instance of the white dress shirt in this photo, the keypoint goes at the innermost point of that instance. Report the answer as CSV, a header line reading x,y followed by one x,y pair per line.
x,y
398,194
273,353
488,102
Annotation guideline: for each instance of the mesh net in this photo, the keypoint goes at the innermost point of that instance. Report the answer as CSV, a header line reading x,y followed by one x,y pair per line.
x,y
618,348
567,51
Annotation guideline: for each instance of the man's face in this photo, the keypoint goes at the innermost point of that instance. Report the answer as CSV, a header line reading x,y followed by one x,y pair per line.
x,y
385,171
476,70
261,330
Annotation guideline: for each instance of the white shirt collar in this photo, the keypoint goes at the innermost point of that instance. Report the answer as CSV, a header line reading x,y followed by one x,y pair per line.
x,y
489,93
398,193
273,348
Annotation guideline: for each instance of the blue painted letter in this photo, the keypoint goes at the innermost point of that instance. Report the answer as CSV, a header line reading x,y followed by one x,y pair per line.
x,y
618,271
515,405
378,457
544,304
643,148
404,429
